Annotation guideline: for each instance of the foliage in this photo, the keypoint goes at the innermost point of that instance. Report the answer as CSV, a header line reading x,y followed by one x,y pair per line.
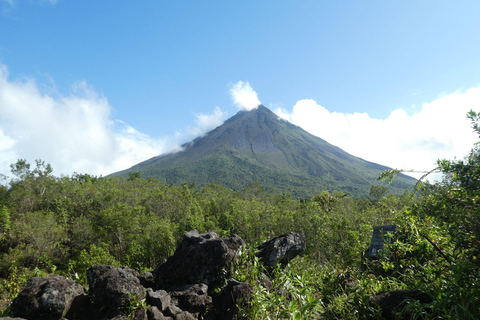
x,y
63,225
67,224
132,305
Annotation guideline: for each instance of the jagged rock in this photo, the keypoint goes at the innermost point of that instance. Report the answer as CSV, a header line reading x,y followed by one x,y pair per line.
x,y
394,301
184,315
113,287
172,310
192,298
140,314
147,280
154,314
45,298
199,258
281,249
160,299
234,296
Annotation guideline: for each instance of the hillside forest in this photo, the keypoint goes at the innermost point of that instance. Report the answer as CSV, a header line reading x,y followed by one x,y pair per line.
x,y
63,225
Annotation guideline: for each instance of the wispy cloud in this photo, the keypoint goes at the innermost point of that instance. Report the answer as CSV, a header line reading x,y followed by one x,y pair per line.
x,y
407,141
8,5
75,132
244,97
11,4
205,123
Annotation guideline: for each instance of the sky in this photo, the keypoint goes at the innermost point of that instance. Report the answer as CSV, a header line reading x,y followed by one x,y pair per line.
x,y
98,86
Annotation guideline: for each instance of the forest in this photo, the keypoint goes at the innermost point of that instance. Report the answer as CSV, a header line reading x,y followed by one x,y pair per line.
x,y
63,225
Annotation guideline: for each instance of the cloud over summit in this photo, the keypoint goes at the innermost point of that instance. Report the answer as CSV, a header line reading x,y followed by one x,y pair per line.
x,y
244,97
76,132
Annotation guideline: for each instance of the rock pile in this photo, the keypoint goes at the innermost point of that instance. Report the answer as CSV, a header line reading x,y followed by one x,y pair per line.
x,y
178,289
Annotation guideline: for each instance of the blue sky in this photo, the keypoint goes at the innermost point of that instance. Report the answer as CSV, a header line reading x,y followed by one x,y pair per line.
x,y
97,86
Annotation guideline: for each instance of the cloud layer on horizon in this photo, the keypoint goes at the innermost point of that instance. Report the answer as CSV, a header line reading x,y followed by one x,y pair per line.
x,y
440,130
76,132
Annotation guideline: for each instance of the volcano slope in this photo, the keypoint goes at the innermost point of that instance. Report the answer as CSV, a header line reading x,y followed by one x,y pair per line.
x,y
257,146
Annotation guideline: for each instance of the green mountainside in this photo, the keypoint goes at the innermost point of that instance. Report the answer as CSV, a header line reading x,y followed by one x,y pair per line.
x,y
258,146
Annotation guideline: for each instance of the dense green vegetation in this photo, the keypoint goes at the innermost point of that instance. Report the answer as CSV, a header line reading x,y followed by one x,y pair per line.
x,y
63,225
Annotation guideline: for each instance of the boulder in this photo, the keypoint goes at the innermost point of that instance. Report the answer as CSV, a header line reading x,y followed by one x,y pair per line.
x,y
154,314
192,298
198,259
147,280
281,249
160,299
235,296
114,287
391,302
184,315
172,311
45,298
140,314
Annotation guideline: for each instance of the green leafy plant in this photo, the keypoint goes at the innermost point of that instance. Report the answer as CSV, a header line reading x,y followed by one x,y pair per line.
x,y
132,305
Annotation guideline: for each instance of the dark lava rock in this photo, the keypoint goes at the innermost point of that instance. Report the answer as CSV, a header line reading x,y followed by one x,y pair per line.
x,y
192,298
114,287
198,259
235,295
45,298
281,249
147,280
394,301
160,299
154,314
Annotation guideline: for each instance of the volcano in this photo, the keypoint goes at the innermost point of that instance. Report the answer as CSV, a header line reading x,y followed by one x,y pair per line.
x,y
257,146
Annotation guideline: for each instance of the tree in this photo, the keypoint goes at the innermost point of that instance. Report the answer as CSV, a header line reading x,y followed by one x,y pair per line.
x,y
134,175
440,238
377,192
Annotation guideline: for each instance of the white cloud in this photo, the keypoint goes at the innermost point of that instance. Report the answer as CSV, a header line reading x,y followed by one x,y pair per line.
x,y
205,123
244,96
74,133
439,130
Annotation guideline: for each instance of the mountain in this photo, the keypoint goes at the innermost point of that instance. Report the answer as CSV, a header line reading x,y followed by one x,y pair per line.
x,y
258,146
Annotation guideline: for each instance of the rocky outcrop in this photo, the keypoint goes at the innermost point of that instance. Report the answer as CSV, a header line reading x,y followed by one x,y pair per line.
x,y
235,297
199,259
179,289
113,287
46,298
192,298
282,249
159,299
